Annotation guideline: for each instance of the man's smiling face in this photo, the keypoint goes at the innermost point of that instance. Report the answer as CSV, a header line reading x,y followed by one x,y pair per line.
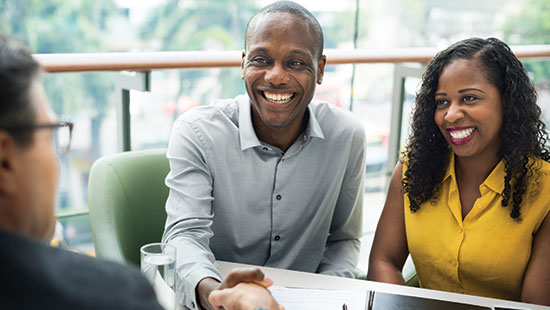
x,y
280,70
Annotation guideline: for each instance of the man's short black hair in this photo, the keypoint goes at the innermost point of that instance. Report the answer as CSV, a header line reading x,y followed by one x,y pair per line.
x,y
296,10
18,69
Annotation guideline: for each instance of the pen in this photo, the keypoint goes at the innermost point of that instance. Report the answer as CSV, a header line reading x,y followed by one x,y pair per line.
x,y
344,307
371,300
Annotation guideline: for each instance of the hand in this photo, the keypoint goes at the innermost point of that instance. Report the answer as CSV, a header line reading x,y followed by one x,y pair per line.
x,y
244,296
203,290
246,275
238,275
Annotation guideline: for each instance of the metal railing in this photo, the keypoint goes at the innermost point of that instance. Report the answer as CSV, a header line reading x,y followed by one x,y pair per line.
x,y
86,62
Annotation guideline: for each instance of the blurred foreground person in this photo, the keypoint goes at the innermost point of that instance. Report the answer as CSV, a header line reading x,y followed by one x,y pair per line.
x,y
33,274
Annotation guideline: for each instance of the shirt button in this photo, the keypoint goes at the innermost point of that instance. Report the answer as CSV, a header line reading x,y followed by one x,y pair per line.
x,y
455,263
277,238
460,230
278,197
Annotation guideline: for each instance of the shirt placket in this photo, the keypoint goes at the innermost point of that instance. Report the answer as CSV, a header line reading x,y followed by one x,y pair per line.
x,y
457,242
278,199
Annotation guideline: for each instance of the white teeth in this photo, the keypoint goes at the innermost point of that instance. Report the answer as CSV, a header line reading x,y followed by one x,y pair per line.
x,y
461,134
278,98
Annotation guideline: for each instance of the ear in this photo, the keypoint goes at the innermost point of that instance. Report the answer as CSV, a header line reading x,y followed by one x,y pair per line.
x,y
242,64
321,69
11,211
8,164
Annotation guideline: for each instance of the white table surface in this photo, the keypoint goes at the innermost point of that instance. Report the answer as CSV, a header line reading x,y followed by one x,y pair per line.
x,y
289,278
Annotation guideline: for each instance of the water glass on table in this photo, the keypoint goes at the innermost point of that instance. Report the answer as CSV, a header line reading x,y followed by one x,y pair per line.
x,y
158,264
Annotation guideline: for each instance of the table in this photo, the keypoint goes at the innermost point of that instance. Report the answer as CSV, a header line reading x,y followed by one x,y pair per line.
x,y
289,278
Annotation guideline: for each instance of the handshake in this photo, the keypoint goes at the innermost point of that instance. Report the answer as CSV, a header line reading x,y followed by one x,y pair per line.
x,y
242,289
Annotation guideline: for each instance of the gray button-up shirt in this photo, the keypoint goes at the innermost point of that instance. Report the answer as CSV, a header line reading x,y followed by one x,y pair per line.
x,y
236,198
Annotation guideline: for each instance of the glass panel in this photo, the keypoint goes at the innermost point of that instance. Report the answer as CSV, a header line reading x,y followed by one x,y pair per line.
x,y
372,106
411,87
75,233
172,93
87,101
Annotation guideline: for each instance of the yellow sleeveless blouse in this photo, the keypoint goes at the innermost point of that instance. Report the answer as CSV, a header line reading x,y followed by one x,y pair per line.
x,y
487,253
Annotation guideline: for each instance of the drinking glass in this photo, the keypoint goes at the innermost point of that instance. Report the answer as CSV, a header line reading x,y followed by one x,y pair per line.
x,y
158,263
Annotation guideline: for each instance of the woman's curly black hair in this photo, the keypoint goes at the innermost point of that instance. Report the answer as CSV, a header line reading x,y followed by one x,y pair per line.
x,y
523,133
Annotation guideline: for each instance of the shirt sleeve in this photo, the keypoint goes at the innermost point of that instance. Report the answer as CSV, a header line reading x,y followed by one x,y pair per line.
x,y
341,254
189,211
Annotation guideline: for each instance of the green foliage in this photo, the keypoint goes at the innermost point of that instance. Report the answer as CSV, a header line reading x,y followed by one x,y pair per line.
x,y
57,25
532,26
342,25
184,25
200,25
61,26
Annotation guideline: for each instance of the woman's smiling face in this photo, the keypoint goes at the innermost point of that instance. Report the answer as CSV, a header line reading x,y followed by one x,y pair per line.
x,y
469,110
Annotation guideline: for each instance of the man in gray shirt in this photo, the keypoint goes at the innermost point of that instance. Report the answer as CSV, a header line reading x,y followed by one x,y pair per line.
x,y
269,178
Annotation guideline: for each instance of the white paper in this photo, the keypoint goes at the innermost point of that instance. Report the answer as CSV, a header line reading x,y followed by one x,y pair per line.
x,y
319,299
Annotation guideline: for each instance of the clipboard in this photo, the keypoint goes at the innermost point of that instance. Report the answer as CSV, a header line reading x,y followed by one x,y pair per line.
x,y
326,299
389,301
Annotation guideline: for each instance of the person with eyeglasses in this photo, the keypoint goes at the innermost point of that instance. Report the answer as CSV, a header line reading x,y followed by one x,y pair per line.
x,y
33,274
63,132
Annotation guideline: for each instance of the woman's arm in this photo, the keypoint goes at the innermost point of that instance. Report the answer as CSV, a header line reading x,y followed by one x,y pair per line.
x,y
389,249
536,282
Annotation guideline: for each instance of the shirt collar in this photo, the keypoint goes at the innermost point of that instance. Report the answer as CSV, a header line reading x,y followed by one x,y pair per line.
x,y
246,129
495,180
450,168
313,128
248,135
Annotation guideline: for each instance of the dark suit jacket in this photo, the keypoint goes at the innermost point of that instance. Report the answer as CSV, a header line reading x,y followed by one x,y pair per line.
x,y
34,275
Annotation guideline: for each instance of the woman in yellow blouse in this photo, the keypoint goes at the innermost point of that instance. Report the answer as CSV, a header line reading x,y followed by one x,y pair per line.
x,y
471,197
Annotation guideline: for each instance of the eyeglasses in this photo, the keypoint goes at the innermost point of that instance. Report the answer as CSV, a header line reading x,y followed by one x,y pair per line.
x,y
63,132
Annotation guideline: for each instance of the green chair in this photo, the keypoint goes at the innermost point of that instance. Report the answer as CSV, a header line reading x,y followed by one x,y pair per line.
x,y
409,273
412,280
127,195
